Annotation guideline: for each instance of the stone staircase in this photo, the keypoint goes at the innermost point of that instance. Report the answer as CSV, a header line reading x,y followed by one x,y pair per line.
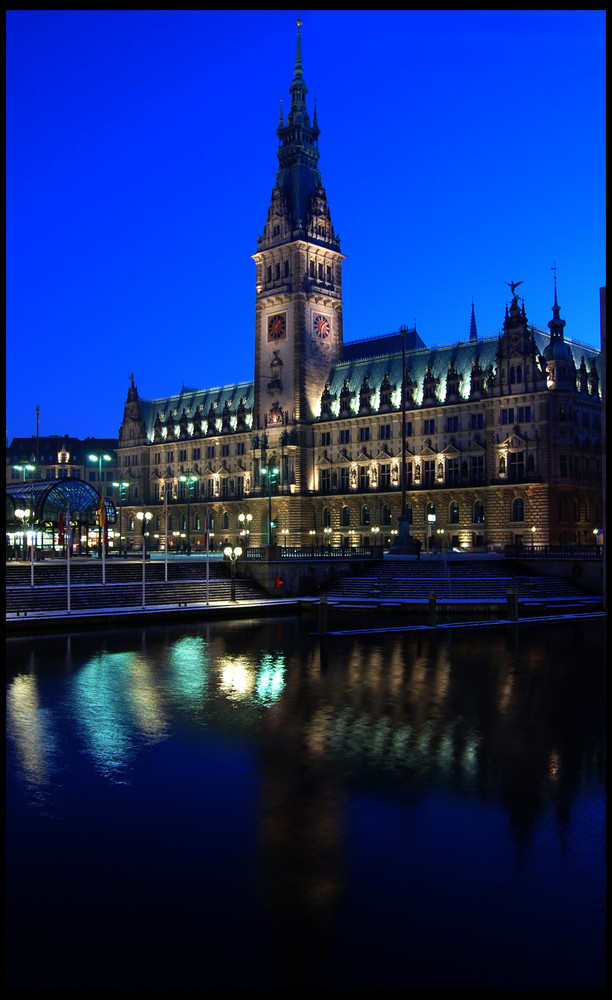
x,y
477,581
123,588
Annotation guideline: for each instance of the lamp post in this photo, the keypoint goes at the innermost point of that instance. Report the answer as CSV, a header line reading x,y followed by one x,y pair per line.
x,y
272,476
122,487
144,516
233,554
245,530
25,469
190,479
99,459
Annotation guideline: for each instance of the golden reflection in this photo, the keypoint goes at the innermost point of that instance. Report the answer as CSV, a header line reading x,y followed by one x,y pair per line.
x,y
318,731
237,679
554,766
148,711
27,728
505,691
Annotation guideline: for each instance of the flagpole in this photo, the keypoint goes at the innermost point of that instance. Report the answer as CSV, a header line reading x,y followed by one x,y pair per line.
x,y
207,552
166,532
68,547
102,535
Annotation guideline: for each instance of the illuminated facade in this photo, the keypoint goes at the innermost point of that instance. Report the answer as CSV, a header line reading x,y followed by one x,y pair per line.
x,y
503,433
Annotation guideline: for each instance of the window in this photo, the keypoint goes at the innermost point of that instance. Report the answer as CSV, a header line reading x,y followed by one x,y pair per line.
x,y
516,465
429,426
195,453
324,480
225,450
344,479
409,428
452,470
364,433
210,451
429,473
345,437
365,515
385,514
524,414
478,514
182,455
477,421
326,517
452,423
507,415
385,476
385,432
518,510
345,517
453,513
478,468
364,477
325,439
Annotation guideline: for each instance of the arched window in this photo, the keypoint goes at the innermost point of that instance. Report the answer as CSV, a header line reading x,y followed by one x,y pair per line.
x,y
453,513
365,514
385,514
479,514
225,521
197,522
326,517
518,509
345,517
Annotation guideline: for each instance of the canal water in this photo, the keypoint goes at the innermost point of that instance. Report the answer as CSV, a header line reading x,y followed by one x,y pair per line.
x,y
241,806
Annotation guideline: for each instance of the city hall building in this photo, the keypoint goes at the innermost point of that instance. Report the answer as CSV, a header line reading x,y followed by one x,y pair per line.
x,y
488,441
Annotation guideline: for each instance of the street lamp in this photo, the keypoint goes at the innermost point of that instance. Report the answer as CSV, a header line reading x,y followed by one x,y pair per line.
x,y
24,516
245,521
99,459
272,477
233,554
190,479
144,516
122,487
25,469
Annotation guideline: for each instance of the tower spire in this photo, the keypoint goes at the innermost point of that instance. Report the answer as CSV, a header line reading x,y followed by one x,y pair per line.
x,y
473,330
556,324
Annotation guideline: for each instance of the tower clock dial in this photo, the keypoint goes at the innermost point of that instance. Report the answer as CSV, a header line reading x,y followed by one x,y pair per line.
x,y
321,326
277,326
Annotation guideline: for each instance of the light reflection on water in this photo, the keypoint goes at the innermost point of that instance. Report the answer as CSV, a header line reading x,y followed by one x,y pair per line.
x,y
313,789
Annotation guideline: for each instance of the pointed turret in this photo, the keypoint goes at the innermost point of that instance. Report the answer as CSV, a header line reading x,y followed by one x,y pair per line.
x,y
298,176
473,330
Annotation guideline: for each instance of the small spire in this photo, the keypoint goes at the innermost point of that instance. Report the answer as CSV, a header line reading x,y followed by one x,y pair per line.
x,y
473,330
298,52
556,324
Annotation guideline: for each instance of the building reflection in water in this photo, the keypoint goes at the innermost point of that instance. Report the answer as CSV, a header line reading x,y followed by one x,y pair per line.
x,y
508,717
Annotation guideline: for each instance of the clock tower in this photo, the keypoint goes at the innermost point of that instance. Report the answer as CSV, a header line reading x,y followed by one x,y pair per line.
x,y
298,315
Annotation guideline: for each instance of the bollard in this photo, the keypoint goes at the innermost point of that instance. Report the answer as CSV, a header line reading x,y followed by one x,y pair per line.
x,y
512,604
323,614
431,615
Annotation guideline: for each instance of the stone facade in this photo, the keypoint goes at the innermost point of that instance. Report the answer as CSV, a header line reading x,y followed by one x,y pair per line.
x,y
502,434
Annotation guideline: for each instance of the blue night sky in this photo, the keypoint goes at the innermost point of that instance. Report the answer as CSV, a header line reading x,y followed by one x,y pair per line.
x,y
459,150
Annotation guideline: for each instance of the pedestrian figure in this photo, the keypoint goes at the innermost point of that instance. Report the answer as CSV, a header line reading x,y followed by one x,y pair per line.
x,y
417,545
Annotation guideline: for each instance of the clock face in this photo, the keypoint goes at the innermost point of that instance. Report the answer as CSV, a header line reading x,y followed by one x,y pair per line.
x,y
321,326
277,326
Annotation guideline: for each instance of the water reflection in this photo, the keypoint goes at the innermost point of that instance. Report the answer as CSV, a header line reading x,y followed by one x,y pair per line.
x,y
323,773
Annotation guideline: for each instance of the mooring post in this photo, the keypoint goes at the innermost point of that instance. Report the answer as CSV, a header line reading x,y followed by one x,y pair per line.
x,y
323,614
431,617
512,604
